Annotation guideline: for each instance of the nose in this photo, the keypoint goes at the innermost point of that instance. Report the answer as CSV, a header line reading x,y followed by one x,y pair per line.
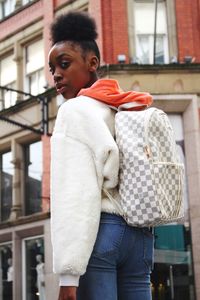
x,y
57,76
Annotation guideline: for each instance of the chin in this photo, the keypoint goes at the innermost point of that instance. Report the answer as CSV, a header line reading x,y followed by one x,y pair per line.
x,y
68,96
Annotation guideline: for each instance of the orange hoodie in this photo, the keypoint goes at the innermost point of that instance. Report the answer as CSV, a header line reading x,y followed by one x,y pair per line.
x,y
109,92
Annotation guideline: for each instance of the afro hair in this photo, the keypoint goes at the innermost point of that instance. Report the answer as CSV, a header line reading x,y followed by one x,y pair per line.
x,y
73,26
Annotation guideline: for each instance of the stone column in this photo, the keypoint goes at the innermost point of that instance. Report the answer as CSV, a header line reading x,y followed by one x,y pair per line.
x,y
51,279
192,146
17,186
18,58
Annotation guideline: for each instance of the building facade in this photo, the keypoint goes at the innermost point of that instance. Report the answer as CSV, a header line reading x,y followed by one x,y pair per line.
x,y
146,45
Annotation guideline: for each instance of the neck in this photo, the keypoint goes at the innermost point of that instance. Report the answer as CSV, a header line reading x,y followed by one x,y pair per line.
x,y
93,79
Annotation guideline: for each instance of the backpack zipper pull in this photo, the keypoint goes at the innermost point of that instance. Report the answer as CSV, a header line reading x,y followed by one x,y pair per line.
x,y
147,151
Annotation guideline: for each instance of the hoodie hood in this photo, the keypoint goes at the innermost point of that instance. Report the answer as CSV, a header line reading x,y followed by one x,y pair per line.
x,y
109,92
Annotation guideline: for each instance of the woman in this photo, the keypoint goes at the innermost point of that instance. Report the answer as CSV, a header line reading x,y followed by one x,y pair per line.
x,y
97,255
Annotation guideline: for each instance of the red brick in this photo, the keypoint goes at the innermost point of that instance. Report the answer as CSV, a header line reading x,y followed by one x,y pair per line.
x,y
188,28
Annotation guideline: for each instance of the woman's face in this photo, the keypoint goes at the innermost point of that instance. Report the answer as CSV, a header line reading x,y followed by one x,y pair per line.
x,y
70,69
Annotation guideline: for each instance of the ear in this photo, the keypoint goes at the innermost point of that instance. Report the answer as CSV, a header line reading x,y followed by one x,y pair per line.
x,y
93,63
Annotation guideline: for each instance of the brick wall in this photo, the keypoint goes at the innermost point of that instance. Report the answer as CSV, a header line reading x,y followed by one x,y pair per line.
x,y
114,30
188,28
48,17
95,11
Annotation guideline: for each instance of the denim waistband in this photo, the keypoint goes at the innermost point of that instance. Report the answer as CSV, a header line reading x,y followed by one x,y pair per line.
x,y
112,218
116,219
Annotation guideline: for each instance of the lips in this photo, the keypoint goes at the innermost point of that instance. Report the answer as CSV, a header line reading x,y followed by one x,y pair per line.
x,y
61,88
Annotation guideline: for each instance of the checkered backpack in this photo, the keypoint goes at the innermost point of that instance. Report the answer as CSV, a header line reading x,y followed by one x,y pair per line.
x,y
151,176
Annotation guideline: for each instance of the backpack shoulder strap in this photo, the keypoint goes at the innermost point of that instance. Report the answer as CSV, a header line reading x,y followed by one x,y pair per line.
x,y
114,202
148,114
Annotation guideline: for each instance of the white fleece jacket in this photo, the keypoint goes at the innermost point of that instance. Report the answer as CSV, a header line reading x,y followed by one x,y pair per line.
x,y
84,160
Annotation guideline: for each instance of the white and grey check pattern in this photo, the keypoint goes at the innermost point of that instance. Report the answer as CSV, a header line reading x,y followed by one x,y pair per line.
x,y
150,188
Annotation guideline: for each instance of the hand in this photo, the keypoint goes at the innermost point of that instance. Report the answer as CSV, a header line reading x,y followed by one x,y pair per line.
x,y
67,293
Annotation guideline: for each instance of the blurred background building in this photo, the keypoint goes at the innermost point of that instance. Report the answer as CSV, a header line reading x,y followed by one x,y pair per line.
x,y
147,45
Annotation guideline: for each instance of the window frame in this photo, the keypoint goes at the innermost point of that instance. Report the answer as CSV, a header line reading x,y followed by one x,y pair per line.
x,y
11,84
27,75
3,13
24,261
10,243
171,37
26,160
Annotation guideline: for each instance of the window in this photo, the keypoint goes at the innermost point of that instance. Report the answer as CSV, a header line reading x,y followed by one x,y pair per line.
x,y
6,176
6,271
33,269
6,8
35,80
8,75
33,178
144,31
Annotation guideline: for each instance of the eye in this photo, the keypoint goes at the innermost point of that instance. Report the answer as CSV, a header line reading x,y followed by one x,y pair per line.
x,y
51,70
65,64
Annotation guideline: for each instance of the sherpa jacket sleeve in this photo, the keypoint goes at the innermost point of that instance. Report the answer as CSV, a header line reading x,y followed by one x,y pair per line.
x,y
84,157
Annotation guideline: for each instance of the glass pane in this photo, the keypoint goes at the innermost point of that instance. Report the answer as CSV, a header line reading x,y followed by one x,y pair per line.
x,y
9,7
146,11
36,82
35,57
7,170
33,180
6,271
172,277
144,31
41,82
34,269
1,100
8,70
10,97
143,49
1,11
33,84
159,59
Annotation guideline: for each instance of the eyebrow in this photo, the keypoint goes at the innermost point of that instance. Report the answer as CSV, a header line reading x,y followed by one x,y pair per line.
x,y
60,56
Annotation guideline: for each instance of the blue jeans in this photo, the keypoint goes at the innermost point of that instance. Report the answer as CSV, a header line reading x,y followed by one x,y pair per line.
x,y
120,264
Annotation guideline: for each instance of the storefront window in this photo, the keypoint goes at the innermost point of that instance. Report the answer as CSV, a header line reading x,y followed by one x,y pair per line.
x,y
6,176
172,278
33,269
33,177
6,271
